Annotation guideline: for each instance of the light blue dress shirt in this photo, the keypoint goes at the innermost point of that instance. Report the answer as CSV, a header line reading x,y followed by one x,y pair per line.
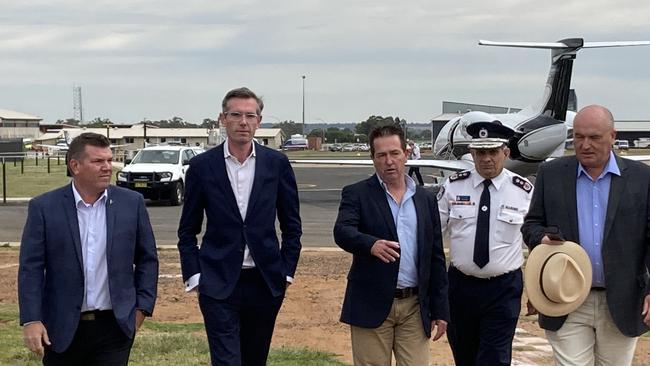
x,y
592,197
406,223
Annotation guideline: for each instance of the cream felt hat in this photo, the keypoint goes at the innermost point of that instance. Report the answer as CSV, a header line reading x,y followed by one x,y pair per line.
x,y
558,278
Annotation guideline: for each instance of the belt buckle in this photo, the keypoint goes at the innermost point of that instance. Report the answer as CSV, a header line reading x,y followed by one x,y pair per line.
x,y
88,316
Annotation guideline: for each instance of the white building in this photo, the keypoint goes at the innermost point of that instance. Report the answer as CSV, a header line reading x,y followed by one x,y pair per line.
x,y
18,125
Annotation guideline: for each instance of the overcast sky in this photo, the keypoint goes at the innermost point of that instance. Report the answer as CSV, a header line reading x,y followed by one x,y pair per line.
x,y
160,59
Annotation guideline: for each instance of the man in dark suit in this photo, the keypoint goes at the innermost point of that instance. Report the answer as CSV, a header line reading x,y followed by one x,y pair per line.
x,y
600,201
397,285
240,270
88,264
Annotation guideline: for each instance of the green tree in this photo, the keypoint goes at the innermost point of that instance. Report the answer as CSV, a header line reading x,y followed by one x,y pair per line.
x,y
289,128
98,122
373,122
209,123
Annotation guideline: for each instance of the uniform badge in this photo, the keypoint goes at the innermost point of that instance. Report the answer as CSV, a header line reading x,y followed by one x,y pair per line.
x,y
462,198
522,183
460,176
441,192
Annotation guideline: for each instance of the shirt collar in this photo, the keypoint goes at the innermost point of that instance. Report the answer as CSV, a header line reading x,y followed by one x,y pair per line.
x,y
611,167
226,151
410,183
497,181
77,196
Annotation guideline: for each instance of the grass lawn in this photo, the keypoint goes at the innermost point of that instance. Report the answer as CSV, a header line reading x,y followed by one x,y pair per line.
x,y
34,179
157,344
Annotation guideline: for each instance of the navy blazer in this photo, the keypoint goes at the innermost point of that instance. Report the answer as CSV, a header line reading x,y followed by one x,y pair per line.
x,y
365,217
51,275
220,256
625,240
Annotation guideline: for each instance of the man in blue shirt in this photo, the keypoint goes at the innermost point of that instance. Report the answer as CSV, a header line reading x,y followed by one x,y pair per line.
x,y
396,295
600,201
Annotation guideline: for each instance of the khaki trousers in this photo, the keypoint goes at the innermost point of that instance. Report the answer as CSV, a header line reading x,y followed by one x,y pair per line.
x,y
401,332
590,337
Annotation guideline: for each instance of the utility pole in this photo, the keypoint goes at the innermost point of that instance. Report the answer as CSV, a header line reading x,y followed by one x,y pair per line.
x,y
303,105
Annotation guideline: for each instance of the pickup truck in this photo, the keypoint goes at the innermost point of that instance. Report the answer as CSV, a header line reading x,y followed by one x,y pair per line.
x,y
158,172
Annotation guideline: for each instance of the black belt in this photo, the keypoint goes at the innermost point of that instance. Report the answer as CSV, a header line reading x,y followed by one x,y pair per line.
x,y
95,314
598,289
403,293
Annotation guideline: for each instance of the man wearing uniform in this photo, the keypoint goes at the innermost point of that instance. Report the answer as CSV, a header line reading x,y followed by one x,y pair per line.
x,y
482,210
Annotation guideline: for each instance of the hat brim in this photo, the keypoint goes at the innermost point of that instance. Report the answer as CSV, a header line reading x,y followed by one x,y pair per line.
x,y
533,271
487,143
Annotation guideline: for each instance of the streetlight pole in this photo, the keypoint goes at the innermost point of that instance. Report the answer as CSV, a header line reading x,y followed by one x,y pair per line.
x,y
303,105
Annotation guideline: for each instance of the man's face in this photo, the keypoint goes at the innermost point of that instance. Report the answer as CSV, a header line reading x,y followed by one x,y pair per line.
x,y
92,172
389,158
241,120
593,137
489,162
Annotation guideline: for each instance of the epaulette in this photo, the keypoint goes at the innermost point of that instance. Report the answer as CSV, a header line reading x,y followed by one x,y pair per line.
x,y
522,183
460,176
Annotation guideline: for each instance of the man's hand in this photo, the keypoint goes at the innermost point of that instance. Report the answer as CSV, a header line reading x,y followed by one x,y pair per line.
x,y
547,240
385,250
440,326
35,335
139,319
530,309
646,310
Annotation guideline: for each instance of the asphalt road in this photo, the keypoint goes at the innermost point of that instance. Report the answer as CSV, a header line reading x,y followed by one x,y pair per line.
x,y
319,188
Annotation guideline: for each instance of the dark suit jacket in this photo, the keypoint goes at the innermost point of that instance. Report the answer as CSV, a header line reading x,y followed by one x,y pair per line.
x,y
626,233
365,217
51,275
220,257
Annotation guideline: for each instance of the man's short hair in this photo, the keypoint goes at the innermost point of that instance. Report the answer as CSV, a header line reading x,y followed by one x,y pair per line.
x,y
242,93
385,131
78,145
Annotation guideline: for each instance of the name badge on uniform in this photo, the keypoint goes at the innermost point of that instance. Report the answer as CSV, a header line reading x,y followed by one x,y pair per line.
x,y
462,200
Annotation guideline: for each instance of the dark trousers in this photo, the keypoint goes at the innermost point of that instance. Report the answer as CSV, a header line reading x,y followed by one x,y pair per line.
x,y
484,314
98,342
416,170
240,327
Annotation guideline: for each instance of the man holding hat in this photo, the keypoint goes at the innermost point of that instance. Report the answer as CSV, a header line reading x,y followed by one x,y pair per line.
x,y
600,201
482,211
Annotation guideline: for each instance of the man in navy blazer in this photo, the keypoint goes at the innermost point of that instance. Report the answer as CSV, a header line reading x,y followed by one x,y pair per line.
x,y
241,271
88,264
397,284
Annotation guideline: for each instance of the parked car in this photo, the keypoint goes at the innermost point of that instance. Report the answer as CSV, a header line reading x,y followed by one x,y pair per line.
x,y
335,147
621,145
349,147
158,172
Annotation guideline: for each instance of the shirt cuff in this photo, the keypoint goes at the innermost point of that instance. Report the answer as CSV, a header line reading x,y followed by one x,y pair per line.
x,y
32,322
289,279
192,282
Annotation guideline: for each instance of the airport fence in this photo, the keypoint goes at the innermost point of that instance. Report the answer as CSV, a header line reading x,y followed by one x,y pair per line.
x,y
43,162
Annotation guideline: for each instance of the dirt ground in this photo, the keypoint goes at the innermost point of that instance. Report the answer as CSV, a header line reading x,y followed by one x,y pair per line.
x,y
310,313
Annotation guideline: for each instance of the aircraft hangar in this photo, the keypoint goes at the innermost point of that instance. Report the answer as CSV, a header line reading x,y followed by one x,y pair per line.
x,y
632,130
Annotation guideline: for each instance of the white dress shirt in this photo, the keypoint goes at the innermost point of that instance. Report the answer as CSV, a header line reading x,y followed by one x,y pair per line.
x,y
241,177
458,203
92,232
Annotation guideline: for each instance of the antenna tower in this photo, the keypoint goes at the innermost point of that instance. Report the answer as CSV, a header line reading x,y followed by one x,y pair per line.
x,y
77,104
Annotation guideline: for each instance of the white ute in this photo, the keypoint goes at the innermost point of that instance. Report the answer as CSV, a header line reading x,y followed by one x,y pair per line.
x,y
158,172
